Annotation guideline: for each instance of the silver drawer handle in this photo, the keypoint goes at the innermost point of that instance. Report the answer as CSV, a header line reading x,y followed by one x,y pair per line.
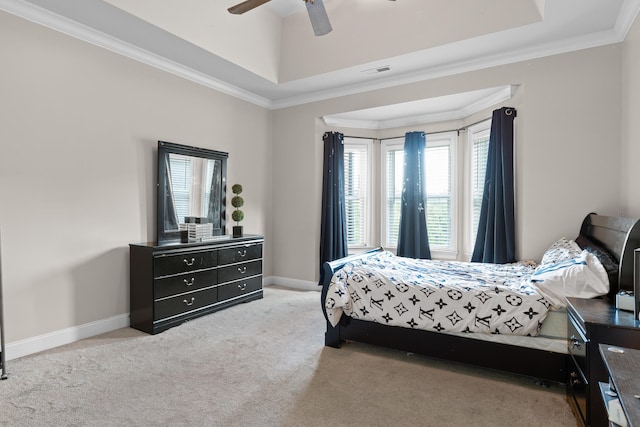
x,y
189,302
242,270
189,263
574,379
243,253
242,287
189,282
574,342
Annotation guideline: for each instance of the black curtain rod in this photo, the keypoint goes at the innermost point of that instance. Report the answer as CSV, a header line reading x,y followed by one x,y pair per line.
x,y
359,137
431,133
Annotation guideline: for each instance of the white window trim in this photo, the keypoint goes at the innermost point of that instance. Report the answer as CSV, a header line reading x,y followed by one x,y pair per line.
x,y
478,130
386,146
436,140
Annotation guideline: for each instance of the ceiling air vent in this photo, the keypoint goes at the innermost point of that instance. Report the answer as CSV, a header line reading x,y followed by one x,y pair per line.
x,y
376,70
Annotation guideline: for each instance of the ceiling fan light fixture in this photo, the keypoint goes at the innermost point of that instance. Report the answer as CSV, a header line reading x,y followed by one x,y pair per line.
x,y
318,16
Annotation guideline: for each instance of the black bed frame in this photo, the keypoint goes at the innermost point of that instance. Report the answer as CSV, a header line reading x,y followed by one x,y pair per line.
x,y
620,236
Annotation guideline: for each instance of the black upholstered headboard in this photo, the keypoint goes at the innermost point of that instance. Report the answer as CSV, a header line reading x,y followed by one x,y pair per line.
x,y
620,237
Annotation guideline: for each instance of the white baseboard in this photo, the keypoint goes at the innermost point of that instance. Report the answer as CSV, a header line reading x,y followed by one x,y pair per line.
x,y
303,285
66,336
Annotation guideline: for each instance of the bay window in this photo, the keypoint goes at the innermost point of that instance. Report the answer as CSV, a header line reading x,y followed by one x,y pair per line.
x,y
374,175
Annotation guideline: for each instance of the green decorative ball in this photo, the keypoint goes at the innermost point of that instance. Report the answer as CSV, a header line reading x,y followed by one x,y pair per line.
x,y
237,202
236,189
237,215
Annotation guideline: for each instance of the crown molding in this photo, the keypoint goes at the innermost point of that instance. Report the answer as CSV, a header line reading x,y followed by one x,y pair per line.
x,y
627,16
82,32
501,95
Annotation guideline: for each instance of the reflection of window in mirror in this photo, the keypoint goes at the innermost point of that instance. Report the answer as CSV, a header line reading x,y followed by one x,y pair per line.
x,y
181,173
206,183
192,179
213,192
191,183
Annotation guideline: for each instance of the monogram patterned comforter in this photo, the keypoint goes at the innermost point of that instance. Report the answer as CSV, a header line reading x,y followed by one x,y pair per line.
x,y
442,296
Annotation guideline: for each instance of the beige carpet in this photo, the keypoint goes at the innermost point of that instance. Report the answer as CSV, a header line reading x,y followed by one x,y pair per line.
x,y
262,364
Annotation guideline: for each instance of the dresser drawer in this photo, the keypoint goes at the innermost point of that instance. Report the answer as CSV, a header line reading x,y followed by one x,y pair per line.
x,y
172,285
239,287
166,265
577,345
184,303
577,388
239,254
239,271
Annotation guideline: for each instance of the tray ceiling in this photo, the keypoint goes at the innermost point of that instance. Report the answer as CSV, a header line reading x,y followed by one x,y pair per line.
x,y
270,57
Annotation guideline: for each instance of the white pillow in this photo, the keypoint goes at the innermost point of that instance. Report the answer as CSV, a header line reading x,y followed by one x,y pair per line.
x,y
561,250
581,277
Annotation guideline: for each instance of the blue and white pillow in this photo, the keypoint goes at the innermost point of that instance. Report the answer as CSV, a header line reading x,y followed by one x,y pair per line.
x,y
561,250
583,277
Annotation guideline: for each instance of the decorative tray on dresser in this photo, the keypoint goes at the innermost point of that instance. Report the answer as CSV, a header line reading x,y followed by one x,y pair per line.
x,y
593,322
176,282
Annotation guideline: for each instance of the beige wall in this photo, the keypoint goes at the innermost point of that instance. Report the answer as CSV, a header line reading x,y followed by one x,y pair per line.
x,y
79,127
630,179
568,150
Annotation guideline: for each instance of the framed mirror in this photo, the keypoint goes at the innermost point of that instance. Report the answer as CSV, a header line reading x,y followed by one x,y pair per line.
x,y
192,183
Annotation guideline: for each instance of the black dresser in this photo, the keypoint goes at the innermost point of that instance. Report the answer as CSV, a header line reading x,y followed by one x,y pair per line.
x,y
173,283
593,322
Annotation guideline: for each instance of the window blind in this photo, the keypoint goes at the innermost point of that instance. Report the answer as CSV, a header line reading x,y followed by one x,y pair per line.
x,y
480,152
355,193
181,184
395,172
438,179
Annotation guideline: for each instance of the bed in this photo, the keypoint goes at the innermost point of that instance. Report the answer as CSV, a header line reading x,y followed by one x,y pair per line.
x,y
353,294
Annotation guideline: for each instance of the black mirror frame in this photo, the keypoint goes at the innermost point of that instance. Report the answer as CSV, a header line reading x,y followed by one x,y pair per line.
x,y
166,148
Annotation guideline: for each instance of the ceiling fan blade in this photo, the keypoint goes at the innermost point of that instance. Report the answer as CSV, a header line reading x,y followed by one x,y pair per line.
x,y
246,6
319,18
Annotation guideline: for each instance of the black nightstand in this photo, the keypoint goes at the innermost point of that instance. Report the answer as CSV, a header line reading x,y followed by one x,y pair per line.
x,y
623,365
593,322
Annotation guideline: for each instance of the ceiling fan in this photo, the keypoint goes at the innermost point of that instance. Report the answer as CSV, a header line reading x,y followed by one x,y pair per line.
x,y
315,8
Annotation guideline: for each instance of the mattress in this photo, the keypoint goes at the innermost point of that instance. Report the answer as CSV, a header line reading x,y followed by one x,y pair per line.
x,y
555,325
552,336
